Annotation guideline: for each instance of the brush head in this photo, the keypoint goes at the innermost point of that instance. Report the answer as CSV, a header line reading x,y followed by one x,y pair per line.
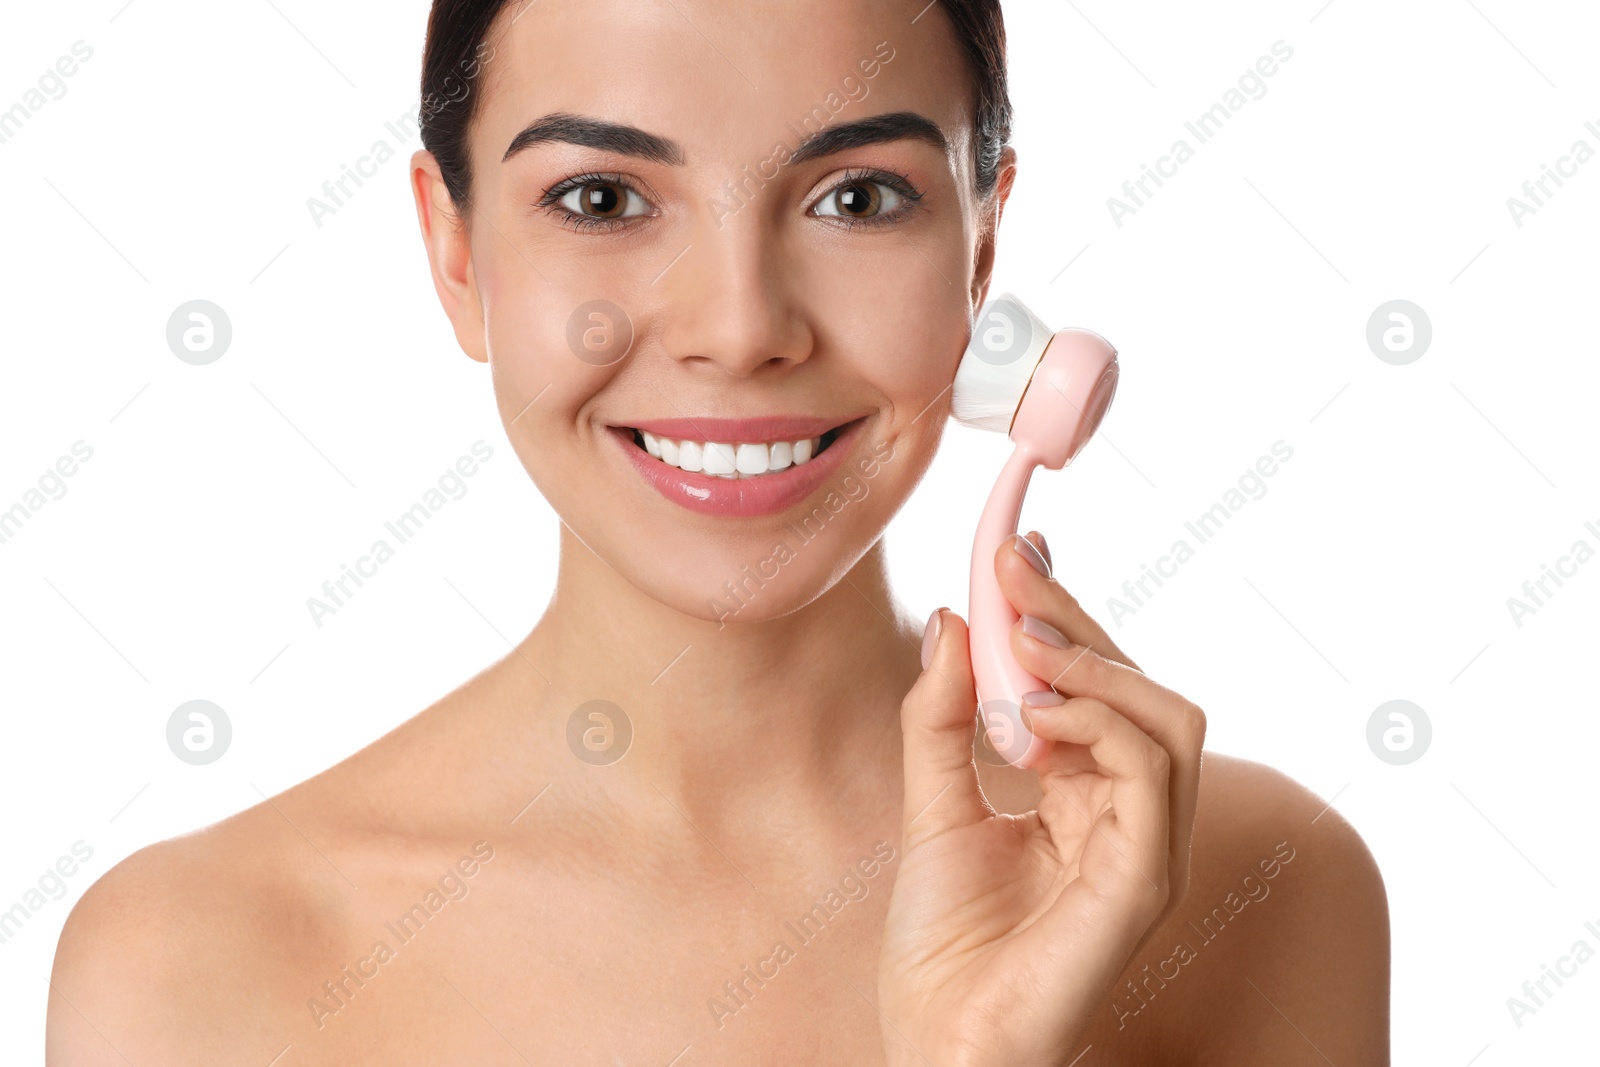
x,y
1046,391
1071,388
1007,342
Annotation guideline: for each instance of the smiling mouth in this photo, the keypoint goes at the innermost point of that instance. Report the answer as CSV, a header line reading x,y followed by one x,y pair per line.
x,y
735,460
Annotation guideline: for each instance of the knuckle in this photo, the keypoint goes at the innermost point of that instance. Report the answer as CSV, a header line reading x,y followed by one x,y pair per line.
x,y
1157,892
1180,883
1088,665
1192,725
1153,762
1070,665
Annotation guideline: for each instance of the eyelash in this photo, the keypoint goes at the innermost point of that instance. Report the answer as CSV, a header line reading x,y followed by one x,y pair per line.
x,y
551,201
910,195
898,182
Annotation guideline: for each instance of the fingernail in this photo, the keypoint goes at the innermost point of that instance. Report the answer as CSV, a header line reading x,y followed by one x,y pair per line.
x,y
1025,549
930,636
1044,698
1044,550
1045,632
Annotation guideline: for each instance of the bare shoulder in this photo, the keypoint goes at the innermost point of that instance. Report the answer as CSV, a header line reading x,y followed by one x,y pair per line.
x,y
1280,949
197,949
158,959
1244,803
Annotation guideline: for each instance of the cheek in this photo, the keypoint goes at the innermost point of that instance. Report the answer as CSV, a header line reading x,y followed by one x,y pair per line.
x,y
924,358
553,342
908,351
891,315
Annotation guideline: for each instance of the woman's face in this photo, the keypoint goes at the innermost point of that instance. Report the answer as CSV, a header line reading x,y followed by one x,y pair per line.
x,y
666,245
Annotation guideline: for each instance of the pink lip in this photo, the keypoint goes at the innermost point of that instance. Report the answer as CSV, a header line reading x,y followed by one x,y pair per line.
x,y
766,494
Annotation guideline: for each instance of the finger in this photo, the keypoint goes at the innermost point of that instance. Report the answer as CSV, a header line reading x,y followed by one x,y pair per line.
x,y
1134,842
1137,766
1175,723
1081,671
938,719
1035,592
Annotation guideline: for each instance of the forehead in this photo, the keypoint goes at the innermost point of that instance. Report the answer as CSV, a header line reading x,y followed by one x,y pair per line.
x,y
726,79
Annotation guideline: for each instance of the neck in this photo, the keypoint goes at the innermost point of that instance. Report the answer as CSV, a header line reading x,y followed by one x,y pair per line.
x,y
731,721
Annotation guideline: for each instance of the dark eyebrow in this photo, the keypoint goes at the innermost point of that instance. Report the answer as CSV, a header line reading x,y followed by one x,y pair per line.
x,y
875,130
595,133
632,141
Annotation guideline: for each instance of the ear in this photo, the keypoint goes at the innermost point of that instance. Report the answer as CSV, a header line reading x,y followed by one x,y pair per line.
x,y
448,240
989,216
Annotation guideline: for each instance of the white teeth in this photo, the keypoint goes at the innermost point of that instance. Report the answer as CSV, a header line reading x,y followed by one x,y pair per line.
x,y
690,454
726,459
751,459
718,458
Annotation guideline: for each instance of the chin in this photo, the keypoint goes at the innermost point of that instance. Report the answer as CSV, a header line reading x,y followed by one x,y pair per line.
x,y
729,590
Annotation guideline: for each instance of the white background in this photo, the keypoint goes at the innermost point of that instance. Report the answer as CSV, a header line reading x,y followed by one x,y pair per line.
x,y
1377,566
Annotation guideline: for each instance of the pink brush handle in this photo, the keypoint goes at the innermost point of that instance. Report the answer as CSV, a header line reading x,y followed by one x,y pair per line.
x,y
1000,680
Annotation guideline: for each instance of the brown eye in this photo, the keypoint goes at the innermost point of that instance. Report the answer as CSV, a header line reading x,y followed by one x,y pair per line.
x,y
602,200
593,199
859,200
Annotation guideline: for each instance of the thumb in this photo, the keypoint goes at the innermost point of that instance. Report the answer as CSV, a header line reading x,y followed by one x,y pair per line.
x,y
938,719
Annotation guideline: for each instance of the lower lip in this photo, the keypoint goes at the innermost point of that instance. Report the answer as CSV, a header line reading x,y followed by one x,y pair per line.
x,y
764,494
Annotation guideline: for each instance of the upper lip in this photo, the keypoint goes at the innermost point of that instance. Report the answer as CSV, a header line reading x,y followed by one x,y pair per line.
x,y
733,431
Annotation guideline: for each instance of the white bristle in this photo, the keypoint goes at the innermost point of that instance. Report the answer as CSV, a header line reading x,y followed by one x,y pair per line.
x,y
1007,343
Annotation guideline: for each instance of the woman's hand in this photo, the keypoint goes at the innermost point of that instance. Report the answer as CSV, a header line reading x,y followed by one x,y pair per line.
x,y
1005,932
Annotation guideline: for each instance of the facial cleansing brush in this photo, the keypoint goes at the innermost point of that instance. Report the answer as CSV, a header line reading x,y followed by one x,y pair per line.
x,y
1047,391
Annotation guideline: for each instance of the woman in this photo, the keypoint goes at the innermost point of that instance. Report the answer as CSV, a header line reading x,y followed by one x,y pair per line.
x,y
713,808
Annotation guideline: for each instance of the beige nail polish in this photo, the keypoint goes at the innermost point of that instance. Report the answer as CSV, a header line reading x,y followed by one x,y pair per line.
x,y
1045,632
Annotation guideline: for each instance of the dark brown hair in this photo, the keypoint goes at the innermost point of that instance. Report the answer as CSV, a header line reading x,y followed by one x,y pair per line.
x,y
457,48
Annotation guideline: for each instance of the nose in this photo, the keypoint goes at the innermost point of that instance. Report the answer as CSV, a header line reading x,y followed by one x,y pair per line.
x,y
732,302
